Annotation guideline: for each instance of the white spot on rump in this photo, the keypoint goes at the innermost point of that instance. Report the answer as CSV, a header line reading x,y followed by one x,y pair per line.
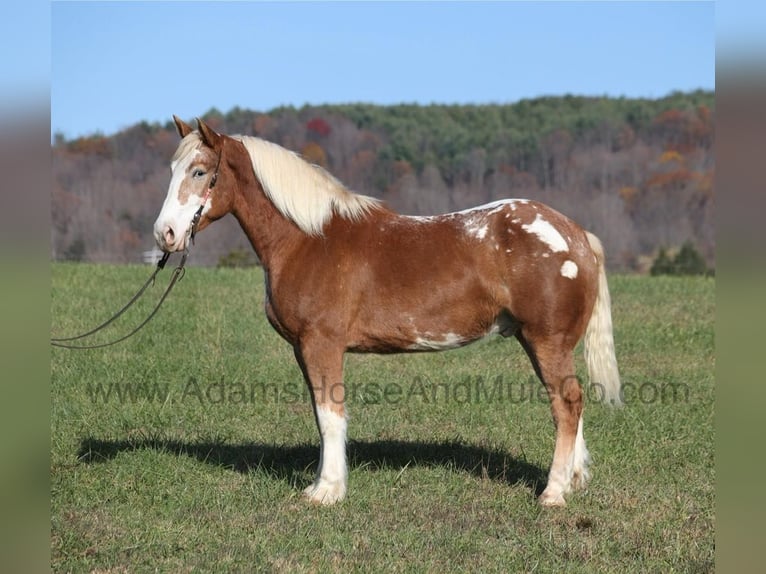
x,y
569,269
546,233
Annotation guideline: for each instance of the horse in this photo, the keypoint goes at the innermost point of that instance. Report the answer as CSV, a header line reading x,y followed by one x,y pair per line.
x,y
346,274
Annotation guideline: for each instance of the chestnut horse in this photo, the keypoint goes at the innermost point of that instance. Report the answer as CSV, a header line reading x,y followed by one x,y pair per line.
x,y
345,274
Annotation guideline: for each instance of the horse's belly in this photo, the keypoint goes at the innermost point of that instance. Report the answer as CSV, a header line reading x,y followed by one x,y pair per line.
x,y
414,336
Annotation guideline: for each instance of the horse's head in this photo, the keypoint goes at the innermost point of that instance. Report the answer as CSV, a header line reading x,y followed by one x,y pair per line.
x,y
200,177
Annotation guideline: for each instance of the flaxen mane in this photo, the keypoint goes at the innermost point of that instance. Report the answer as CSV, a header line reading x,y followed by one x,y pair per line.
x,y
304,193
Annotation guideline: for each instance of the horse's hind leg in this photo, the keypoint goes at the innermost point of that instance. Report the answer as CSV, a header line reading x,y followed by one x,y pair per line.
x,y
554,363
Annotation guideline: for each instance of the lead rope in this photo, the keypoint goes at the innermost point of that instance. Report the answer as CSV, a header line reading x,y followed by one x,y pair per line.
x,y
178,272
58,341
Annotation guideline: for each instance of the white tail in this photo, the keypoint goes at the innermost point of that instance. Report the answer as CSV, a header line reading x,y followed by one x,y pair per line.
x,y
599,342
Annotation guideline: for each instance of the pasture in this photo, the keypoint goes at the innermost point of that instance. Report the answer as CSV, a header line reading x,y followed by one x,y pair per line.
x,y
186,447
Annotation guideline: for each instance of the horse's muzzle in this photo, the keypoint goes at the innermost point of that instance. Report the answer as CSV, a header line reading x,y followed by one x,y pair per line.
x,y
168,237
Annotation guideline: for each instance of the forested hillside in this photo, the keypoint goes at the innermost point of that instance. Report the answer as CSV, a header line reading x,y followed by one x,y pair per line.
x,y
639,173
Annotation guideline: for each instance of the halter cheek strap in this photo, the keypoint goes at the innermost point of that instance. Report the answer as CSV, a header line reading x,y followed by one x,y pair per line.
x,y
205,197
198,215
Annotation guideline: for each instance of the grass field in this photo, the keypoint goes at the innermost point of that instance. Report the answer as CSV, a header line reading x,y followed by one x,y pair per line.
x,y
186,448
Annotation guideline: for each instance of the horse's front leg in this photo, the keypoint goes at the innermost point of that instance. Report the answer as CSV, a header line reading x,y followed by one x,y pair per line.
x,y
322,365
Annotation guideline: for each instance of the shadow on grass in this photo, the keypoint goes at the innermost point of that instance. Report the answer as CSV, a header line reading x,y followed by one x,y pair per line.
x,y
285,462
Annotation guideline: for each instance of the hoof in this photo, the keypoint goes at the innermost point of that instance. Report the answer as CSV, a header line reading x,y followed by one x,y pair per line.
x,y
551,499
325,493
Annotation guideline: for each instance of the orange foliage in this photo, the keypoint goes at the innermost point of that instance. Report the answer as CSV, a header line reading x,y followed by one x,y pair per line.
x,y
671,179
686,131
671,155
628,194
705,182
96,145
670,117
314,153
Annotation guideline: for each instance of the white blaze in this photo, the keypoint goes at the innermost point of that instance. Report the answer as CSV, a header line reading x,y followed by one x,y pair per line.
x,y
173,213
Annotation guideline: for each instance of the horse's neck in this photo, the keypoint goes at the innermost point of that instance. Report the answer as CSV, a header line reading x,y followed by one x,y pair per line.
x,y
270,233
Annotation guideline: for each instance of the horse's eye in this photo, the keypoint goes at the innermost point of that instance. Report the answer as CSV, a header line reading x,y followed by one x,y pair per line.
x,y
198,173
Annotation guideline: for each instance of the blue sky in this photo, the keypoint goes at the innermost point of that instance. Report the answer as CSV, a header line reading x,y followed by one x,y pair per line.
x,y
115,64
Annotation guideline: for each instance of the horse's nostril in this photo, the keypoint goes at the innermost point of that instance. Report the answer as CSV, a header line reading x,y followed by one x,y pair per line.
x,y
169,235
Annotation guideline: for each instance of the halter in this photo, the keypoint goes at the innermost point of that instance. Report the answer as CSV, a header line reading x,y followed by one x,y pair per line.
x,y
178,273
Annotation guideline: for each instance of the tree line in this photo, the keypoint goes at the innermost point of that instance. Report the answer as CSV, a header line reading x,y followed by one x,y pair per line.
x,y
637,172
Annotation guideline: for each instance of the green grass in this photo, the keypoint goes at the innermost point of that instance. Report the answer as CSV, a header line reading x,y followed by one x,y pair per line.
x,y
201,468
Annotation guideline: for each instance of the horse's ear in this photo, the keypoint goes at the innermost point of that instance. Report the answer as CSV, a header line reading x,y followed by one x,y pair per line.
x,y
183,128
210,137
